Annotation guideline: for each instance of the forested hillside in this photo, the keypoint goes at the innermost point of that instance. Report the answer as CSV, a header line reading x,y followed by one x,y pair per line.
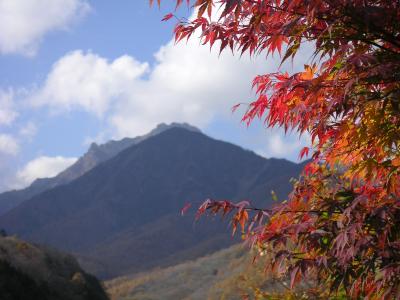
x,y
32,272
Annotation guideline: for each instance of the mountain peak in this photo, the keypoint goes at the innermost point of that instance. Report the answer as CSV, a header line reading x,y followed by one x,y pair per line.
x,y
163,126
96,154
93,146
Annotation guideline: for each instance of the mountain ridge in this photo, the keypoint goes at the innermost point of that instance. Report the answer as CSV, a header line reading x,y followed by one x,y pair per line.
x,y
95,155
125,211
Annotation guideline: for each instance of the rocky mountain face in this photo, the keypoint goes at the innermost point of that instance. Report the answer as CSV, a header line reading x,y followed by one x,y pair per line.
x,y
123,216
30,272
94,156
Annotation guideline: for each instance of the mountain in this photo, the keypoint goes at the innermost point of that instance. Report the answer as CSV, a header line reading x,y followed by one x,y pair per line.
x,y
122,216
94,156
30,272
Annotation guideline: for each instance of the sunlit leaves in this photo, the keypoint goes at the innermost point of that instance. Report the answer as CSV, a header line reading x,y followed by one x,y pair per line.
x,y
342,218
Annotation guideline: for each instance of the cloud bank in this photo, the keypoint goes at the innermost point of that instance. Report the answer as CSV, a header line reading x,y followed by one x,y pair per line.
x,y
89,82
187,83
24,23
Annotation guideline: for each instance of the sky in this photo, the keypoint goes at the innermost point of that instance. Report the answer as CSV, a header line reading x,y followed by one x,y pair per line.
x,y
73,72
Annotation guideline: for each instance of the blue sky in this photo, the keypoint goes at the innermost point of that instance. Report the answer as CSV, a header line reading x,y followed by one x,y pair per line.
x,y
77,71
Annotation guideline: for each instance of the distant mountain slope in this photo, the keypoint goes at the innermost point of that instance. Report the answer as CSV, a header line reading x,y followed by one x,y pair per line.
x,y
229,274
123,215
226,274
189,280
30,272
94,156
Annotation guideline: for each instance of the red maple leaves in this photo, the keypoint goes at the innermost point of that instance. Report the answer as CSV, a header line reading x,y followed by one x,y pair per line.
x,y
342,219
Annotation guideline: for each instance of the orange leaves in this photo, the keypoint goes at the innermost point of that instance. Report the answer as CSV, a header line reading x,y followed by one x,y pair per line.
x,y
309,72
396,162
241,217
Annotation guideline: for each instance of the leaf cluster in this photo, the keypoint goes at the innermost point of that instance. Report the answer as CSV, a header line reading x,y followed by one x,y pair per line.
x,y
342,218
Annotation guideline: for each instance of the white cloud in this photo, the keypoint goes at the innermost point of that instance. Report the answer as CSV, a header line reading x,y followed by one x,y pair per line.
x,y
8,144
281,145
42,167
24,23
187,84
88,81
7,107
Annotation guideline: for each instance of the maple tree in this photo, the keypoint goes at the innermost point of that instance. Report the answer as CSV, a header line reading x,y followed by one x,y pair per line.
x,y
342,220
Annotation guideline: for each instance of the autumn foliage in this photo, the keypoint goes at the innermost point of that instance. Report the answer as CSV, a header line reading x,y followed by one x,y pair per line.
x,y
342,220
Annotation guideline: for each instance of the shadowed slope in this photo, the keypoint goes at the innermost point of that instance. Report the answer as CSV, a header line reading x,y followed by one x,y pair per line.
x,y
95,155
124,213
